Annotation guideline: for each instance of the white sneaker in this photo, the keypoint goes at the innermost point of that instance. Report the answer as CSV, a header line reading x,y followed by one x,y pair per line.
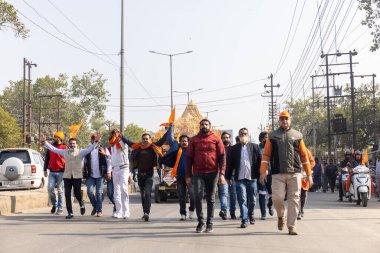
x,y
183,217
118,216
191,215
126,215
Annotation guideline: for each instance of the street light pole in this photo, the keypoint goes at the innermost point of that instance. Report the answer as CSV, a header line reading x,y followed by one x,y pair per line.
x,y
171,71
210,112
188,93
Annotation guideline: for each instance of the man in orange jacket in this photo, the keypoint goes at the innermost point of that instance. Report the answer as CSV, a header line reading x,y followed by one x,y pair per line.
x,y
287,155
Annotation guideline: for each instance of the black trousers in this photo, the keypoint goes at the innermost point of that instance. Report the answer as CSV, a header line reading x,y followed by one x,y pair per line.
x,y
182,191
145,182
205,183
332,180
69,184
303,199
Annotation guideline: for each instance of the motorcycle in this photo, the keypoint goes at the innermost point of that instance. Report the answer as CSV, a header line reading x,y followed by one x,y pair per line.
x,y
360,188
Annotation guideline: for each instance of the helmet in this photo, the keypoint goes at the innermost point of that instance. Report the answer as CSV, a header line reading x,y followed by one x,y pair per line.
x,y
358,152
60,135
347,152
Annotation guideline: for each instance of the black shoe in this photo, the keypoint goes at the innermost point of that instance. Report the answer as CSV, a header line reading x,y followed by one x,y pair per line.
x,y
82,209
243,225
251,220
146,217
233,216
53,210
200,228
209,228
70,216
302,213
271,212
223,215
299,216
340,200
93,212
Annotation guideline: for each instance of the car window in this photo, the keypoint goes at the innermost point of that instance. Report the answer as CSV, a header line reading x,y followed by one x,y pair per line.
x,y
36,158
23,155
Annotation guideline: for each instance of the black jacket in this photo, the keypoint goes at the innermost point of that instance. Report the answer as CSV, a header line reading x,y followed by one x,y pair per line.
x,y
87,165
234,160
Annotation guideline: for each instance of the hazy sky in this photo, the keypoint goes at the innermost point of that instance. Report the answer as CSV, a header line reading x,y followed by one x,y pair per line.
x,y
236,45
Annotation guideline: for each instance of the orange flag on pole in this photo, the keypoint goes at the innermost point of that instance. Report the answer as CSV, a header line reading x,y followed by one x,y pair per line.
x,y
171,118
74,129
365,157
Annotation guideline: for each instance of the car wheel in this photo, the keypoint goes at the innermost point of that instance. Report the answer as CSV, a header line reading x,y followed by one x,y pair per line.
x,y
12,168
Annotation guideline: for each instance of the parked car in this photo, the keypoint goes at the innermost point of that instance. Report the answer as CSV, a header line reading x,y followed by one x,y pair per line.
x,y
21,168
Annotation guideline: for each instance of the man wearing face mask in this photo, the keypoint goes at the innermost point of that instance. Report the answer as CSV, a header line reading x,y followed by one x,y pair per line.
x,y
73,173
56,164
244,162
287,155
226,189
267,187
205,165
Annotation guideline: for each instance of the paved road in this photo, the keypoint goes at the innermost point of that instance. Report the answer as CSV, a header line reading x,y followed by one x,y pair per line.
x,y
328,226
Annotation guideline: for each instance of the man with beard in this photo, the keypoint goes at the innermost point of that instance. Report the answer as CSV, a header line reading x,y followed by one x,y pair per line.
x,y
287,155
205,165
73,173
56,164
225,189
244,163
145,156
175,158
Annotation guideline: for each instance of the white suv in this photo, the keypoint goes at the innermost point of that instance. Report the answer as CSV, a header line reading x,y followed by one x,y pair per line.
x,y
21,168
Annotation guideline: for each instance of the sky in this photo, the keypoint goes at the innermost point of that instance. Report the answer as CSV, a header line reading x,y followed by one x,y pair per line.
x,y
235,46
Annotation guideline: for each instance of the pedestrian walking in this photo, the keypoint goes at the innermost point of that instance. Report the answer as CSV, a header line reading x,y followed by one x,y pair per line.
x,y
227,190
73,173
205,166
245,162
265,189
287,155
56,165
175,158
377,164
331,172
305,186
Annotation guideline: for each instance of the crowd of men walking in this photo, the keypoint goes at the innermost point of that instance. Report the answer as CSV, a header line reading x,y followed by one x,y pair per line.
x,y
278,169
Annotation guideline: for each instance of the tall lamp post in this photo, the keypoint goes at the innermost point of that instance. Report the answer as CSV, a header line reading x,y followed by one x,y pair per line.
x,y
188,93
171,73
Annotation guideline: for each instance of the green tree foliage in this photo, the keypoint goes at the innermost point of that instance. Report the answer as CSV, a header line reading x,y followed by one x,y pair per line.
x,y
372,10
9,19
367,122
75,105
10,132
133,132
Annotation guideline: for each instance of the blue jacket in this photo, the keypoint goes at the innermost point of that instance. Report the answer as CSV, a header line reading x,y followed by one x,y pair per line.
x,y
170,157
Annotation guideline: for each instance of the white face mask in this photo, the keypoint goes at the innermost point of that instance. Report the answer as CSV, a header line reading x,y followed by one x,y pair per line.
x,y
243,139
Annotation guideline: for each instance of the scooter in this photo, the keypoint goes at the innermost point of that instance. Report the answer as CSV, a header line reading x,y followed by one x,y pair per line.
x,y
360,188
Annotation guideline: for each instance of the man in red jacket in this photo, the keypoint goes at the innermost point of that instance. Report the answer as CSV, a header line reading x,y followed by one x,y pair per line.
x,y
56,164
205,166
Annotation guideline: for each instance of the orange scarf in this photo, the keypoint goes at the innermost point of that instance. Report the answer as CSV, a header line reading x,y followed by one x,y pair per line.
x,y
151,144
114,140
175,168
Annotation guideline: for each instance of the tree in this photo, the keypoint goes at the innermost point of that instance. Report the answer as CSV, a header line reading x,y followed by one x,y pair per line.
x,y
133,132
372,10
10,132
9,19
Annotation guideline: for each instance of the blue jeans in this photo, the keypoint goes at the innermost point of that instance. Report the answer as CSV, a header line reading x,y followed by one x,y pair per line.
x,y
223,195
56,180
246,194
110,192
96,202
232,193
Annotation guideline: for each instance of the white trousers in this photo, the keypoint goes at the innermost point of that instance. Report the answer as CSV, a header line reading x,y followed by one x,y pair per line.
x,y
120,194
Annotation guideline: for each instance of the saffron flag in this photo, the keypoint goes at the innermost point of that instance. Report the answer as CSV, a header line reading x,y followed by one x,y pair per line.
x,y
171,118
74,129
365,157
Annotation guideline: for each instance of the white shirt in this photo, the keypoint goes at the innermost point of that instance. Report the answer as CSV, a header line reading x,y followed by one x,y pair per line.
x,y
245,164
95,172
119,156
